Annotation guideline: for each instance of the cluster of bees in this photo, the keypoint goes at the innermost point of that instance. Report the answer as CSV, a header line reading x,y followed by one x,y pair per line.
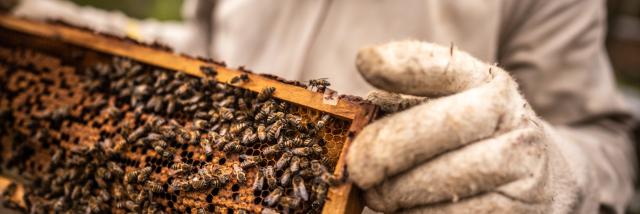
x,y
163,141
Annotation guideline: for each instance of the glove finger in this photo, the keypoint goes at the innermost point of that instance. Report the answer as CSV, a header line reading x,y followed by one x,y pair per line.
x,y
402,140
491,202
394,102
471,170
421,69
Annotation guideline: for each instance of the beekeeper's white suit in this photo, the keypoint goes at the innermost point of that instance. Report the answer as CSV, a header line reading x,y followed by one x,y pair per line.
x,y
476,145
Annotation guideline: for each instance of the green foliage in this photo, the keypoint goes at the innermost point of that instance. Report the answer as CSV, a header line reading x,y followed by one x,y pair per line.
x,y
158,9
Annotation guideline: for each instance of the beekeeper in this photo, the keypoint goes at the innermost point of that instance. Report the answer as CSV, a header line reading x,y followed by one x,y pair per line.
x,y
500,106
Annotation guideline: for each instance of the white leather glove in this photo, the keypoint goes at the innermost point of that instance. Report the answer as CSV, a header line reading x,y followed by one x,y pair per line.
x,y
469,144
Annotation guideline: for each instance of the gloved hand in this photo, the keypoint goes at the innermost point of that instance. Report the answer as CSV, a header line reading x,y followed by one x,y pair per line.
x,y
462,140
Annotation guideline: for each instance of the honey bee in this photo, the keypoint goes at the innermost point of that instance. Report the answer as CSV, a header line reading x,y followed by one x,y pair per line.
x,y
270,176
152,137
223,177
154,186
239,172
285,177
76,192
299,188
115,169
217,181
220,141
93,206
263,113
317,149
104,195
289,202
283,161
234,146
278,116
102,172
328,178
274,196
295,121
167,154
154,104
296,142
168,131
227,102
225,113
294,164
138,133
249,161
171,105
158,149
198,184
323,121
57,157
189,137
270,150
118,192
317,168
152,208
59,205
202,115
319,84
262,134
114,113
283,106
258,182
131,206
132,176
242,77
242,104
274,130
326,161
200,124
302,151
208,71
120,205
201,211
304,163
205,143
238,127
320,194
249,137
266,93
180,185
144,174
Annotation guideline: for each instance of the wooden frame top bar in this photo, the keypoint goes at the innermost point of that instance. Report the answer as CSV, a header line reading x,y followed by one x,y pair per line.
x,y
170,60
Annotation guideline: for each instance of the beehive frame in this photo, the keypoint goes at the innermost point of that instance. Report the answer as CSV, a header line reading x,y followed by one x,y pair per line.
x,y
343,199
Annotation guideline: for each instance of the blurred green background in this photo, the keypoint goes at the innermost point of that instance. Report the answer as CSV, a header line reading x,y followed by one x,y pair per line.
x,y
158,9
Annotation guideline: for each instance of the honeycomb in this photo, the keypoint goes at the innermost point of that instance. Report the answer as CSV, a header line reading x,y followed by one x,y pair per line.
x,y
115,135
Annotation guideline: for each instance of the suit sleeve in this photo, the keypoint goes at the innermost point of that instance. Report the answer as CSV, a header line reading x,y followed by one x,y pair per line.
x,y
555,50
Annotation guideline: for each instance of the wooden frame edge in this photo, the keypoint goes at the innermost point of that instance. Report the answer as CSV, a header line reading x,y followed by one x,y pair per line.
x,y
167,59
353,204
